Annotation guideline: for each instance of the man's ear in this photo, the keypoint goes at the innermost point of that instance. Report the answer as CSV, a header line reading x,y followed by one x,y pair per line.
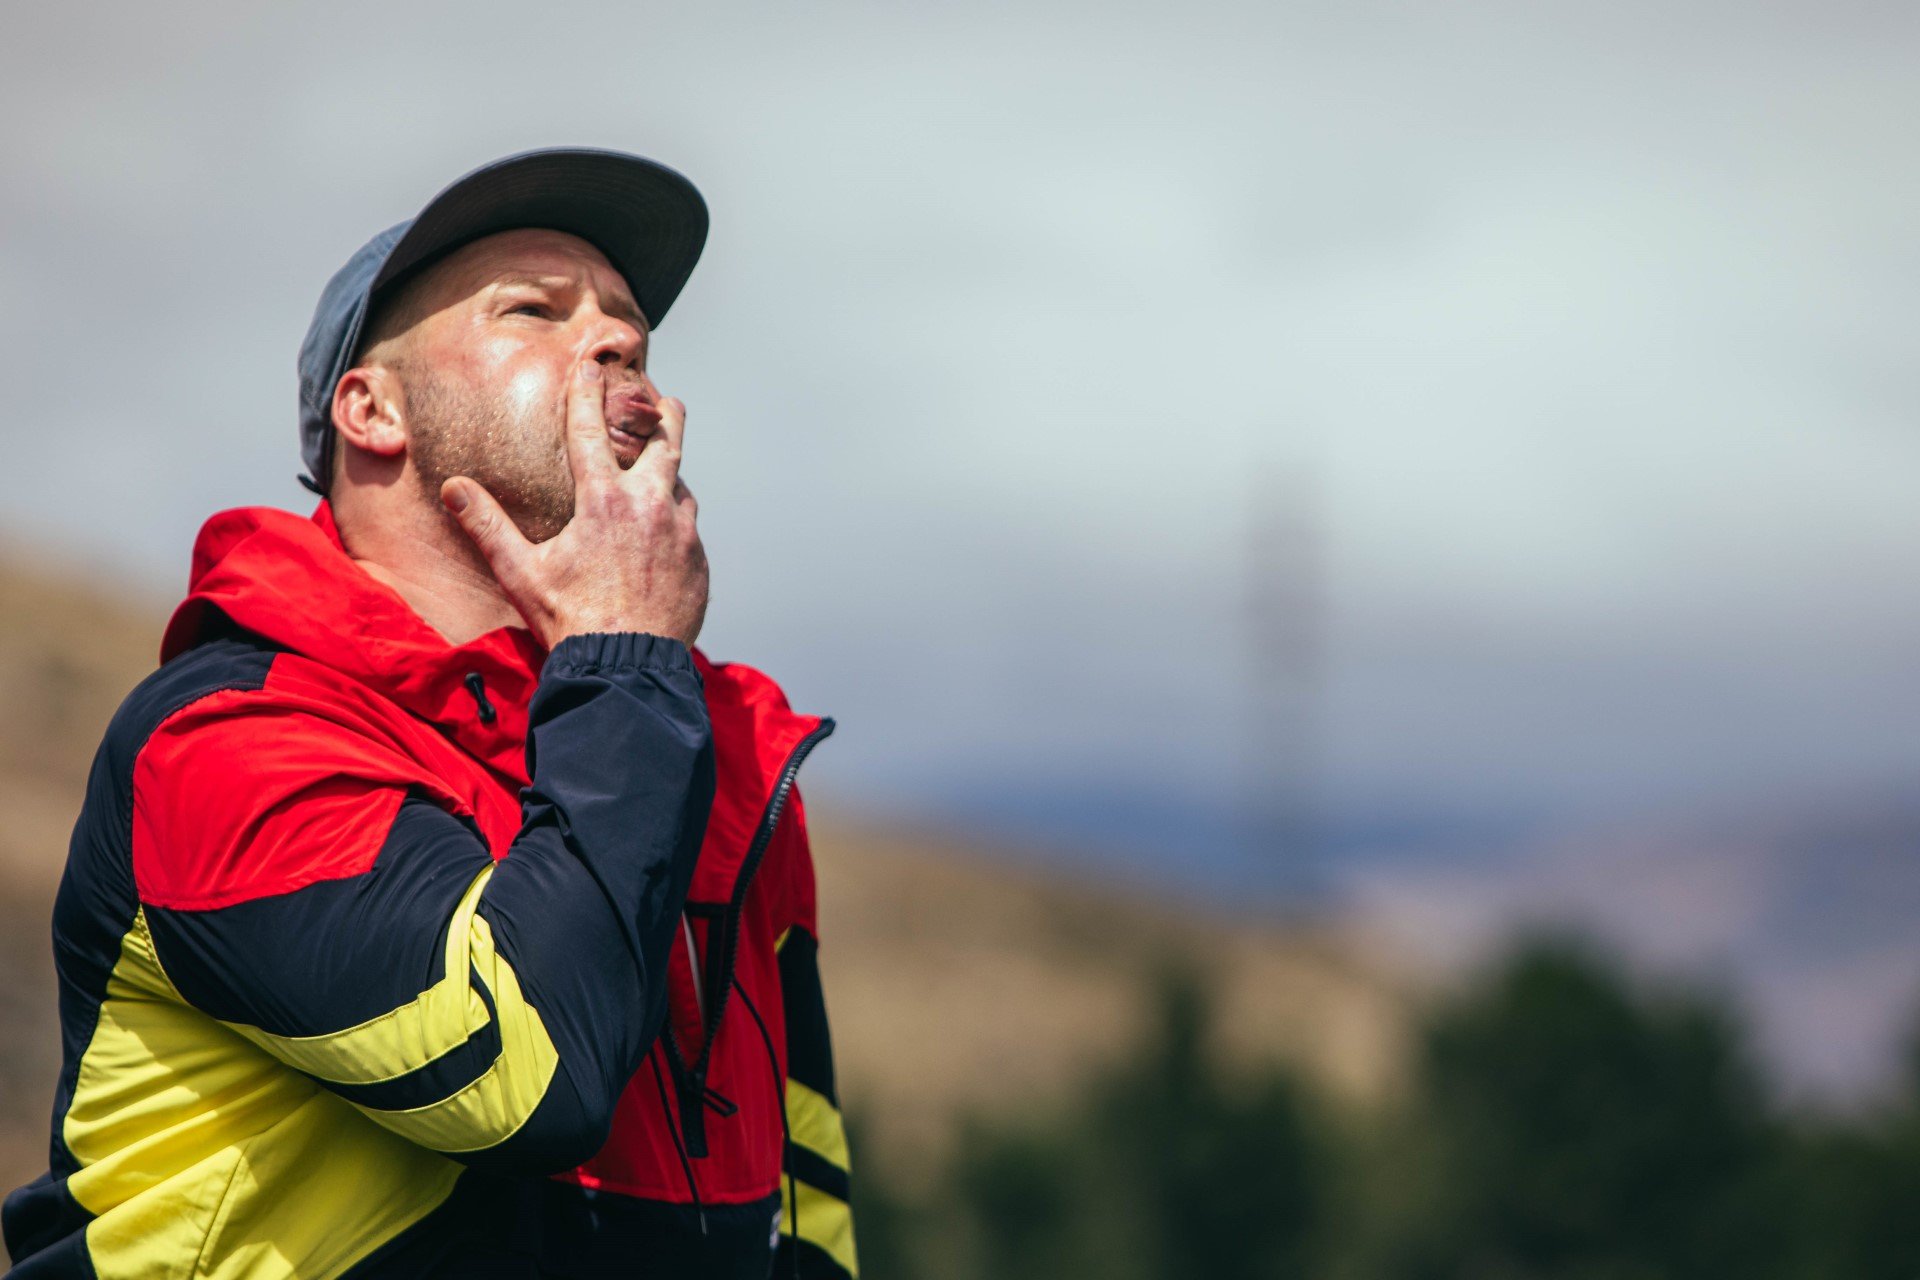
x,y
369,410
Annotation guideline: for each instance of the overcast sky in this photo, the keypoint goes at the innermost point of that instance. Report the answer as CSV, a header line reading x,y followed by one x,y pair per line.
x,y
1571,349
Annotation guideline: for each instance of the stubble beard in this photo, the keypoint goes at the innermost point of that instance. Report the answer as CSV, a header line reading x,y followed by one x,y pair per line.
x,y
520,458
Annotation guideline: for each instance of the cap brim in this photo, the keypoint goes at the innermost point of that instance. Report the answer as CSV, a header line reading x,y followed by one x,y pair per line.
x,y
649,220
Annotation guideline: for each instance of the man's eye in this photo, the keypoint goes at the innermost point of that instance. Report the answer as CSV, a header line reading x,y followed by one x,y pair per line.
x,y
539,309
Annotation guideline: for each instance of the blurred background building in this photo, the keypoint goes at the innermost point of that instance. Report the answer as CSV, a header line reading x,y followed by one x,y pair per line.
x,y
1314,491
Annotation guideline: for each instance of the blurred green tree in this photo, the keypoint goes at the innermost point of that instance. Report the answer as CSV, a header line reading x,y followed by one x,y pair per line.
x,y
1573,1129
1562,1123
1169,1167
1858,1188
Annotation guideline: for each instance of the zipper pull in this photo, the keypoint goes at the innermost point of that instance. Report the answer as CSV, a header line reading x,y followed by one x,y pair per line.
x,y
478,688
717,1102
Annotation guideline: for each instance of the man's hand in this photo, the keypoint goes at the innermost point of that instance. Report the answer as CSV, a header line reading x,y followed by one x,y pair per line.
x,y
629,560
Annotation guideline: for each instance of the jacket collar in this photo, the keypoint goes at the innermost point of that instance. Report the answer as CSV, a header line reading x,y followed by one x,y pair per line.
x,y
291,582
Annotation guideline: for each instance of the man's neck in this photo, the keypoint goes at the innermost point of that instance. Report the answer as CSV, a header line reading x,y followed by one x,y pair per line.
x,y
431,565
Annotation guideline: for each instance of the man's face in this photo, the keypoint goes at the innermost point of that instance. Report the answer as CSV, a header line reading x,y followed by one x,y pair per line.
x,y
497,329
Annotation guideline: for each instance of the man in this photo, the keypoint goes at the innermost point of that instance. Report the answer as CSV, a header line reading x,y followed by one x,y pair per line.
x,y
435,909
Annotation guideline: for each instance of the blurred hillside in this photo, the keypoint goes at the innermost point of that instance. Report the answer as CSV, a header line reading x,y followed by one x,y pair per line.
x,y
67,656
959,983
1799,908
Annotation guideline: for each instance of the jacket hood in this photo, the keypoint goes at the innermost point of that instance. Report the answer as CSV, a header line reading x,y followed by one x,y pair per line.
x,y
291,582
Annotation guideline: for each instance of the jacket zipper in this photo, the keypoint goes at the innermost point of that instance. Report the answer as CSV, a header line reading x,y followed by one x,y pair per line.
x,y
695,1096
693,967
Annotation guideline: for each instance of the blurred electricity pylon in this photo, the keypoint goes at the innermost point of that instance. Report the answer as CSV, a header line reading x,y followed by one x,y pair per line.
x,y
1286,641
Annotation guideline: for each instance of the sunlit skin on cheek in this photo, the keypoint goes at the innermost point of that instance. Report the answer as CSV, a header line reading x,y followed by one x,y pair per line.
x,y
528,381
533,395
522,378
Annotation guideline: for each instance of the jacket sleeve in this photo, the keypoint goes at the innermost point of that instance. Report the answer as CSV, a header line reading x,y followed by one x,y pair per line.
x,y
816,1222
303,883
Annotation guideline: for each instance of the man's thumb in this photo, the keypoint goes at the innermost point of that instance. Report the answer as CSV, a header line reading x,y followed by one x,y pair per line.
x,y
484,522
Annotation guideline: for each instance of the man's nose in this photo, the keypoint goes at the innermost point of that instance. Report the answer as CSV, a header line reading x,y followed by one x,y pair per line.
x,y
611,340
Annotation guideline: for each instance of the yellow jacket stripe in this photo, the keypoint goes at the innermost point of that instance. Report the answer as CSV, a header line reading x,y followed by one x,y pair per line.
x,y
815,1123
407,1038
823,1220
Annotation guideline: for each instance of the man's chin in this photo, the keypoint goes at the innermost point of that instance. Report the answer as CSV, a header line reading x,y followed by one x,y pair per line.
x,y
538,518
627,445
538,526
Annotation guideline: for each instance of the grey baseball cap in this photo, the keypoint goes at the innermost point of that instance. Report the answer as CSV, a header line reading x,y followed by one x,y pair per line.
x,y
649,221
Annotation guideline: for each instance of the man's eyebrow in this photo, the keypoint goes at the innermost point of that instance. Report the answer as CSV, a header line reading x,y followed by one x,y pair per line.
x,y
623,307
619,304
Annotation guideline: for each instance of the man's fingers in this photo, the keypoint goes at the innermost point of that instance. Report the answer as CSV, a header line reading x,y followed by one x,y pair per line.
x,y
684,499
659,459
497,537
673,422
589,452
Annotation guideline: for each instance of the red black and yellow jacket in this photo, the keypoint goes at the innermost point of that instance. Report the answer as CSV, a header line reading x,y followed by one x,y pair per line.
x,y
380,956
